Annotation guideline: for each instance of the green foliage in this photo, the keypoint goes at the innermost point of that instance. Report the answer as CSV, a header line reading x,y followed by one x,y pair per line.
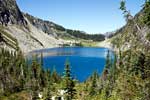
x,y
108,60
60,28
55,77
82,35
130,82
93,87
9,82
126,80
125,11
123,5
146,15
16,75
69,83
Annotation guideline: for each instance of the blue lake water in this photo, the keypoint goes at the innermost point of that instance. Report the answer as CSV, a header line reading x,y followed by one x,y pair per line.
x,y
83,60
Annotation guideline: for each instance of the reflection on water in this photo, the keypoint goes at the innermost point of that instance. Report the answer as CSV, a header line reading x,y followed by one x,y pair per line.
x,y
74,51
84,60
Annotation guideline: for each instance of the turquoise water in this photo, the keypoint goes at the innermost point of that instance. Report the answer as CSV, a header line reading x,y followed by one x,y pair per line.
x,y
83,60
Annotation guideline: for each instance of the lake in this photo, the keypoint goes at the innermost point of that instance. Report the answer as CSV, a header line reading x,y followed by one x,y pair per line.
x,y
83,60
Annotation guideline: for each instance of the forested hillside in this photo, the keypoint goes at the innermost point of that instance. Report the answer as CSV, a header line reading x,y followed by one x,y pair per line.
x,y
20,79
59,31
126,76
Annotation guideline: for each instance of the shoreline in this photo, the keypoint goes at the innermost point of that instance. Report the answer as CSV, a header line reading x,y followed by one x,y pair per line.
x,y
103,44
106,44
44,54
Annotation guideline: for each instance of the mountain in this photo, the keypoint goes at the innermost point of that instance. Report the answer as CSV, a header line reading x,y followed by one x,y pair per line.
x,y
136,33
10,13
126,77
56,30
24,31
16,26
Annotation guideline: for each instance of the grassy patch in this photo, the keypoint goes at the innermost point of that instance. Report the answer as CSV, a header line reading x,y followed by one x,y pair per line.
x,y
24,95
89,43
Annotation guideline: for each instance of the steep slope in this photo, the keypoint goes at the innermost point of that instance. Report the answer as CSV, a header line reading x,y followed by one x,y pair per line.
x,y
33,33
128,77
7,41
59,31
106,43
28,37
10,13
134,34
47,27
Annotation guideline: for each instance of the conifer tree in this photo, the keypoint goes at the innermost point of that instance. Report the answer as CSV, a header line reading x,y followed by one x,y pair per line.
x,y
49,85
114,68
69,84
146,16
108,61
41,59
35,78
93,87
55,77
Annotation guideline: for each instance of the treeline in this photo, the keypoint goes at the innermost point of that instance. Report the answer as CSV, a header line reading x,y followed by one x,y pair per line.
x,y
128,78
146,18
125,77
82,35
99,87
17,75
46,27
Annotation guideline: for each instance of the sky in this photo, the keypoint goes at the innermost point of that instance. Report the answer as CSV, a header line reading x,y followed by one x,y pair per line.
x,y
91,16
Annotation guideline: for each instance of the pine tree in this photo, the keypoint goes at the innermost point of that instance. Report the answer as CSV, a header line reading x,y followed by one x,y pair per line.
x,y
35,78
69,84
55,77
49,86
41,59
93,87
146,16
114,68
108,61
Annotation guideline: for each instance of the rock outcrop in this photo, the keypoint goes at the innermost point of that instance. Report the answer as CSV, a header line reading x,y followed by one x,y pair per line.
x,y
33,33
10,13
14,24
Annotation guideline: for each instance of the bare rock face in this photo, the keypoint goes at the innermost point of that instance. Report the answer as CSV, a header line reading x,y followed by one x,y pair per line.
x,y
14,25
10,13
32,33
46,26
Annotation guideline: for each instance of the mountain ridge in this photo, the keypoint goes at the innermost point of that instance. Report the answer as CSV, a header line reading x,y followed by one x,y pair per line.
x,y
134,33
34,33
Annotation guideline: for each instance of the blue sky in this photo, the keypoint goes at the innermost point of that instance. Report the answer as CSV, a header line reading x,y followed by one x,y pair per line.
x,y
91,16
